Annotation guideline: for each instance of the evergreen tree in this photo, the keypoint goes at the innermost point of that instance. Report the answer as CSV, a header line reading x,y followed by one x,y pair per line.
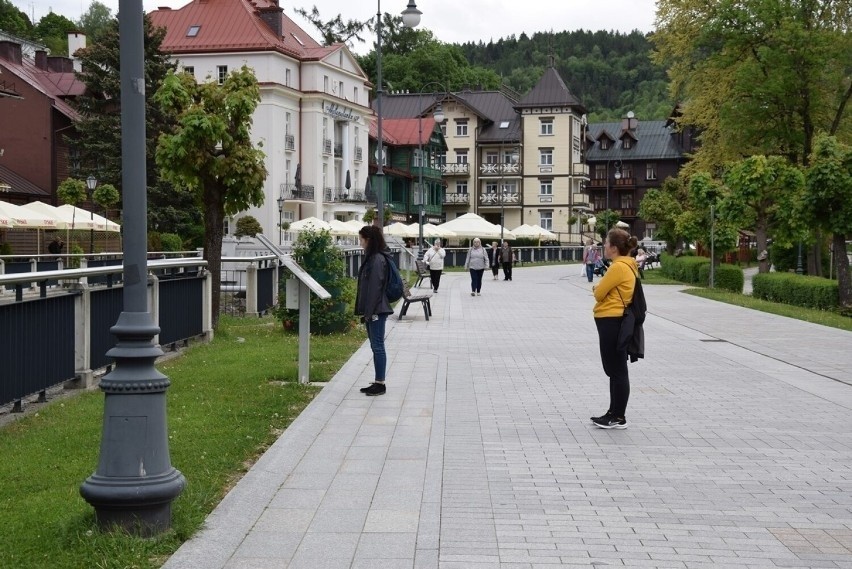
x,y
99,143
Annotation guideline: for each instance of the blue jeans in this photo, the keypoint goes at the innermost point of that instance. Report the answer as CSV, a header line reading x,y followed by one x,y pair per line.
x,y
590,271
376,333
476,279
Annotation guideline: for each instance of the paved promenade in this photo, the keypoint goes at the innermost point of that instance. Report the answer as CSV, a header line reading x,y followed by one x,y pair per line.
x,y
481,454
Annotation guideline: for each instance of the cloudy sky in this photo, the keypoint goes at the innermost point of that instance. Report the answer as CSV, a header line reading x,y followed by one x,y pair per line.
x,y
451,21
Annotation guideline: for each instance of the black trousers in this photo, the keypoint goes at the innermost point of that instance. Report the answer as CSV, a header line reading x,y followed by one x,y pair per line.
x,y
614,364
507,271
435,277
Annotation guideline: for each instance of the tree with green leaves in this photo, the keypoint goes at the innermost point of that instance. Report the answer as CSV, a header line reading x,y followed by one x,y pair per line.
x,y
52,31
757,77
98,145
827,202
759,190
663,207
335,30
97,20
248,226
210,152
702,221
14,21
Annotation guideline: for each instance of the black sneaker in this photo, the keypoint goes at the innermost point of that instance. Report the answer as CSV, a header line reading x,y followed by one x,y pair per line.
x,y
593,419
365,389
373,389
610,422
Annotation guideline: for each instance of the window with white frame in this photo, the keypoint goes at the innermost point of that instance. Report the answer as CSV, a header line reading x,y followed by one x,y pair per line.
x,y
189,70
461,127
510,156
604,144
355,95
287,165
325,175
418,161
288,217
651,171
441,158
545,157
626,201
461,187
600,172
545,187
221,73
287,118
546,127
461,156
491,157
325,83
627,143
287,77
491,188
545,219
325,128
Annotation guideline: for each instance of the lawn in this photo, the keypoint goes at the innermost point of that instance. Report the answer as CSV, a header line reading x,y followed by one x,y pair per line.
x,y
228,401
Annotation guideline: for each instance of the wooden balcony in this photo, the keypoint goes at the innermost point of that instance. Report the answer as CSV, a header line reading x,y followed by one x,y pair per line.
x,y
454,198
455,169
500,169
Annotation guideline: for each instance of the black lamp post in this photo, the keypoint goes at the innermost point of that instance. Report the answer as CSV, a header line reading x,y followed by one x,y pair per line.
x,y
280,218
135,483
91,184
800,270
438,115
410,19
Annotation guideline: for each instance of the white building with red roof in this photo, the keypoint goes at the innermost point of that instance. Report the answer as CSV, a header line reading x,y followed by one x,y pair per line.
x,y
314,115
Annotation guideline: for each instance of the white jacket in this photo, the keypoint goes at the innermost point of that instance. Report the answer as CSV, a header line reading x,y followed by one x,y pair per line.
x,y
435,259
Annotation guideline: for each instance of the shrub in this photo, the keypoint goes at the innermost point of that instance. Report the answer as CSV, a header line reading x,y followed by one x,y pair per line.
x,y
316,253
5,249
248,226
727,277
684,269
171,242
798,290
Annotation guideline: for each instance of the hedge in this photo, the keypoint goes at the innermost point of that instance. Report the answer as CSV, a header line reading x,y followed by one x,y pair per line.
x,y
727,277
798,290
684,269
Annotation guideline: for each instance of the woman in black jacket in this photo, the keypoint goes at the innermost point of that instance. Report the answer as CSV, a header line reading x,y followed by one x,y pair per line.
x,y
371,304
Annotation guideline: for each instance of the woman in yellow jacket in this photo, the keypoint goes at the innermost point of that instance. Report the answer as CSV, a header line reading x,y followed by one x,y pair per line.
x,y
613,293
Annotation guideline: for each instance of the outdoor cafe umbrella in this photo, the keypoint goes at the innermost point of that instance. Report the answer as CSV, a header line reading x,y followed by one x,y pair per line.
x,y
22,217
472,225
342,229
400,229
100,223
310,224
431,230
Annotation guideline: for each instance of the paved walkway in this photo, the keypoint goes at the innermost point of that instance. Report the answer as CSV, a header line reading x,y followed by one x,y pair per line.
x,y
481,455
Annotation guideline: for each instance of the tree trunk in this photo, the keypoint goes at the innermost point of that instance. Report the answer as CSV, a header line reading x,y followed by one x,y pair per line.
x,y
214,217
760,239
843,277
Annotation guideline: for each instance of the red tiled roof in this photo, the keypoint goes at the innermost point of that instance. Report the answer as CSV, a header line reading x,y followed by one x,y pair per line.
x,y
408,132
233,25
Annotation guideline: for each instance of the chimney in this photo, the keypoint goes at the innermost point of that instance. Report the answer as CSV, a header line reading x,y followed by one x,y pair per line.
x,y
76,40
271,16
60,64
10,51
41,59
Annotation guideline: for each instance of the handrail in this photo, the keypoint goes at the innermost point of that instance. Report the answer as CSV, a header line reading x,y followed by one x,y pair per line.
x,y
15,278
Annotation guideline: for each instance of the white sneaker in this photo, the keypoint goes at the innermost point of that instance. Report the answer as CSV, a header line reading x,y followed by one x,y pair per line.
x,y
479,294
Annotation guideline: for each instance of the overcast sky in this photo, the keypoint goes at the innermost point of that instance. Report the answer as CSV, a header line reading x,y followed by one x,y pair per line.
x,y
452,21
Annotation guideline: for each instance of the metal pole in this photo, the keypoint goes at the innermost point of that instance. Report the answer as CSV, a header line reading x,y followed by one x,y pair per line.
x,y
712,246
135,483
799,268
420,173
380,172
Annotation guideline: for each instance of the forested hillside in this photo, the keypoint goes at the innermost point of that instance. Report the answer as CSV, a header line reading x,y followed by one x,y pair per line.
x,y
611,73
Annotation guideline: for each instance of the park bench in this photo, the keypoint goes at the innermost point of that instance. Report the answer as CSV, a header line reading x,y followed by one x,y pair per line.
x,y
408,298
422,272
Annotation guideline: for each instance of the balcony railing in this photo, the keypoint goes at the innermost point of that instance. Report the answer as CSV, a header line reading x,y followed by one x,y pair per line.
x,y
326,146
625,182
342,195
338,150
359,153
505,198
290,192
456,198
499,169
455,169
289,142
581,169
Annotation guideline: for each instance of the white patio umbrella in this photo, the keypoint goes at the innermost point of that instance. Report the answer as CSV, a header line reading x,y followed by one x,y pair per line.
x,y
100,222
65,218
545,233
21,217
342,229
356,223
472,225
431,230
400,229
527,231
310,223
622,225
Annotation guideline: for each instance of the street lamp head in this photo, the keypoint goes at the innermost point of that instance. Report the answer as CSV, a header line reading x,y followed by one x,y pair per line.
x,y
91,182
438,115
411,15
281,203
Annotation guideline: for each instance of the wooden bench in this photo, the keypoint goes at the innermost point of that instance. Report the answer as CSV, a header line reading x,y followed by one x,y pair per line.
x,y
408,298
422,272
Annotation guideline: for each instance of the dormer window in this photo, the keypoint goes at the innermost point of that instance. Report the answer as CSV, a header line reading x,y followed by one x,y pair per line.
x,y
626,143
604,144
193,31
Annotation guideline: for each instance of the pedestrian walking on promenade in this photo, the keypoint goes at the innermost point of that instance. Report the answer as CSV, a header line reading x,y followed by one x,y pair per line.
x,y
476,262
612,294
371,304
494,259
507,257
591,256
434,258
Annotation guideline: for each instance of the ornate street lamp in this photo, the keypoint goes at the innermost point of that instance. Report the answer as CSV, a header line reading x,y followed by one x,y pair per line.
x,y
438,115
280,217
410,19
91,184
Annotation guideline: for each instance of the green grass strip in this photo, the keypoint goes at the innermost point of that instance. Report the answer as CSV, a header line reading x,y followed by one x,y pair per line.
x,y
228,401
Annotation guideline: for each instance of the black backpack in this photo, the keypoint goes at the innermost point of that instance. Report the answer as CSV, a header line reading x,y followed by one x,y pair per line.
x,y
631,336
393,287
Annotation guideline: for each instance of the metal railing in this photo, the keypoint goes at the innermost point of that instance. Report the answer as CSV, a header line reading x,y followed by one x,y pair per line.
x,y
326,146
498,198
500,169
456,198
359,154
289,142
455,168
291,192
